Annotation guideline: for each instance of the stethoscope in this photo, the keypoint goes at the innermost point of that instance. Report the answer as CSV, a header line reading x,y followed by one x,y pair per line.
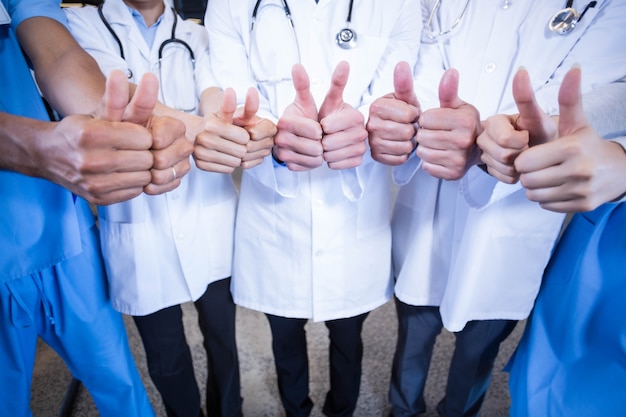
x,y
564,21
166,42
346,37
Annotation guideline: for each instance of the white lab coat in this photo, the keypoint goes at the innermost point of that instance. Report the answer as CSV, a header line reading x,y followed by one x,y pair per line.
x,y
476,247
160,250
315,244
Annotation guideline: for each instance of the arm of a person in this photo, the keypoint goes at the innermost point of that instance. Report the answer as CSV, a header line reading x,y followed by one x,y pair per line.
x,y
68,77
78,158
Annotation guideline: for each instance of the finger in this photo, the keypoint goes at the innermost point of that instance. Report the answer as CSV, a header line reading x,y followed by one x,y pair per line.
x,y
143,101
115,98
449,90
260,144
167,130
262,129
524,95
171,174
403,84
572,116
334,96
541,157
304,99
229,106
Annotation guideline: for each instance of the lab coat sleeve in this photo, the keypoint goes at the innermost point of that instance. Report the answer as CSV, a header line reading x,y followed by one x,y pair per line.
x,y
599,52
203,72
403,45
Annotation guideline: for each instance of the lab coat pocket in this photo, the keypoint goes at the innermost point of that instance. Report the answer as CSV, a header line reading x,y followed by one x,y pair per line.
x,y
132,270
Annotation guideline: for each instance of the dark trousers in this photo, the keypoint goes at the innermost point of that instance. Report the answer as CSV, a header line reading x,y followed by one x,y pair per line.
x,y
475,350
169,358
292,366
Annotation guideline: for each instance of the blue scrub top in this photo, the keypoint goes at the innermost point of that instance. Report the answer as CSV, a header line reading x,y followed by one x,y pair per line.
x,y
39,225
571,360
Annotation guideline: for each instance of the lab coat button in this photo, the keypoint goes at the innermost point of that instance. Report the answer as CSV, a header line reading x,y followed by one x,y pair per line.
x,y
180,236
316,82
490,67
319,253
319,203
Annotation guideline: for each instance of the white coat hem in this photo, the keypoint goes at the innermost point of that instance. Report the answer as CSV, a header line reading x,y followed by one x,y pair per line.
x,y
346,313
135,308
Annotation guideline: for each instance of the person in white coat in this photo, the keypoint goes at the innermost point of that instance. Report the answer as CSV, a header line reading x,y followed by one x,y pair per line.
x,y
177,247
469,251
313,234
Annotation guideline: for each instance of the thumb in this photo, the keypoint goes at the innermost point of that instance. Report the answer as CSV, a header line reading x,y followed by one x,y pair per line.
x,y
403,85
530,114
304,99
145,98
334,96
572,116
229,105
250,107
449,90
115,98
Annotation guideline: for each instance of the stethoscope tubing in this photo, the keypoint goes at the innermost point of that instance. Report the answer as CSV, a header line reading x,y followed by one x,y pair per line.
x,y
172,39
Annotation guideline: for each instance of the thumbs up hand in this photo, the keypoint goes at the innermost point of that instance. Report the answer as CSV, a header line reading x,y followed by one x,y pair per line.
x,y
170,150
507,136
579,170
447,135
298,142
108,157
342,125
392,122
221,145
261,131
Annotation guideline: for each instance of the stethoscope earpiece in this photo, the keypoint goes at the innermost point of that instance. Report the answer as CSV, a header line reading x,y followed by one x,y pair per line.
x,y
564,21
346,38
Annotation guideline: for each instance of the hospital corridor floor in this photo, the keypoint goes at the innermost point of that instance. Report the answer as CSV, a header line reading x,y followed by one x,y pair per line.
x,y
51,378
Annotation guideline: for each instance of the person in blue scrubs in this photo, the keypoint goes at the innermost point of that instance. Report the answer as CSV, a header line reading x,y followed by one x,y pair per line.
x,y
571,360
52,282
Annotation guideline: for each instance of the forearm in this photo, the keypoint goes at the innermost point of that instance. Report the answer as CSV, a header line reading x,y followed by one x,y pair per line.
x,y
17,138
68,77
605,109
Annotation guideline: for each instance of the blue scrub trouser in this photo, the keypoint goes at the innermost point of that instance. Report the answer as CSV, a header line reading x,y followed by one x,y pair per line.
x,y
169,356
67,305
475,350
292,368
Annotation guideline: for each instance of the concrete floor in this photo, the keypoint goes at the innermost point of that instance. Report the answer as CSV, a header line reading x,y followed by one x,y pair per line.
x,y
51,378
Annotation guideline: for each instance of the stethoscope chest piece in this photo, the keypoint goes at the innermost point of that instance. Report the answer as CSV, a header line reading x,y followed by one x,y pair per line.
x,y
346,38
564,21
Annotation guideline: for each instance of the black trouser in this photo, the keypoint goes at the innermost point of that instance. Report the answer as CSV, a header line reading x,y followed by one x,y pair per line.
x,y
475,350
292,368
169,357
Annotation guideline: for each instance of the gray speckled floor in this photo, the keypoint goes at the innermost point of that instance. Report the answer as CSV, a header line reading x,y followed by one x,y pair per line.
x,y
51,378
